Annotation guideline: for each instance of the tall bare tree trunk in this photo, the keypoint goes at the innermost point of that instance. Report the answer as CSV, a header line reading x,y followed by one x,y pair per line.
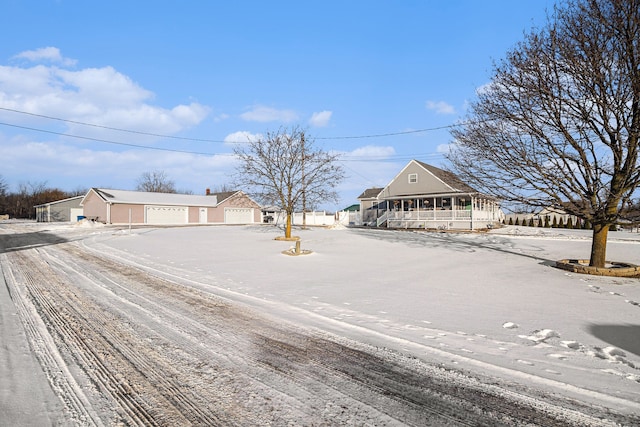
x,y
287,230
599,245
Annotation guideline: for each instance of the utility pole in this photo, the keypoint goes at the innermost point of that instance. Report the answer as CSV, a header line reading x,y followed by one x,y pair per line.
x,y
304,184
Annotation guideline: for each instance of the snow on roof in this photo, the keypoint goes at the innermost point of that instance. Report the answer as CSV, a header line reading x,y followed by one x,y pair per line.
x,y
148,198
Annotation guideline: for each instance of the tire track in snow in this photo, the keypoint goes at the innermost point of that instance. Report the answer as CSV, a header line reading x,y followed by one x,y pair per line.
x,y
562,409
140,337
76,404
102,351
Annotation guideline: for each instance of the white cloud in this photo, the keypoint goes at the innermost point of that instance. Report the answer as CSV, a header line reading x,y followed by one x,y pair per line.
x,y
267,114
220,118
191,114
484,88
440,107
444,148
371,151
100,96
366,167
241,137
321,119
72,166
48,54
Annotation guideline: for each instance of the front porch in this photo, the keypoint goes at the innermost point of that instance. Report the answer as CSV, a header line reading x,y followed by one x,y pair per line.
x,y
438,212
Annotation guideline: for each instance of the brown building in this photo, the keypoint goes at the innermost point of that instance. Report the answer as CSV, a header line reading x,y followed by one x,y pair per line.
x,y
137,207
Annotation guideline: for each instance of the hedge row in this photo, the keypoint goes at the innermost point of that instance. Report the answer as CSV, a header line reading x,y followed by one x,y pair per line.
x,y
553,223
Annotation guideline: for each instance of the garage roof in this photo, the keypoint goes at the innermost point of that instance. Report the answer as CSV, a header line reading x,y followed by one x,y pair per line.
x,y
56,202
161,199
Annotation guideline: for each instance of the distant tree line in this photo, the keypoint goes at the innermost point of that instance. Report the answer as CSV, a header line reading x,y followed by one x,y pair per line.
x,y
19,204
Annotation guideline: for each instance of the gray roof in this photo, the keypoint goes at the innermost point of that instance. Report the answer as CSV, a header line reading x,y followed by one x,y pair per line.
x,y
370,193
224,195
148,198
60,201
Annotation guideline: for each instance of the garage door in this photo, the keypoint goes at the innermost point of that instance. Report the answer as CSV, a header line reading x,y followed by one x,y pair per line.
x,y
238,215
167,214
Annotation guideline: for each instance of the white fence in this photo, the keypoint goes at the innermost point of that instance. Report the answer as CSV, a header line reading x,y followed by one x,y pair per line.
x,y
320,218
433,219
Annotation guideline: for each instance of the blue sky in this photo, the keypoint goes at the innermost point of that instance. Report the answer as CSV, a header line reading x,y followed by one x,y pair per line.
x,y
203,75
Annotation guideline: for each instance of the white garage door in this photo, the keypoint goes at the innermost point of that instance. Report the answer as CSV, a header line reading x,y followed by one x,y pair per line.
x,y
167,214
238,215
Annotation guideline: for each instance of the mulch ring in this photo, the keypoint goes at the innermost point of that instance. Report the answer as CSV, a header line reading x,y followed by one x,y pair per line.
x,y
611,268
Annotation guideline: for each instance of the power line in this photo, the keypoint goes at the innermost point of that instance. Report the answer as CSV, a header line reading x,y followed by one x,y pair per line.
x,y
381,135
108,127
345,158
146,147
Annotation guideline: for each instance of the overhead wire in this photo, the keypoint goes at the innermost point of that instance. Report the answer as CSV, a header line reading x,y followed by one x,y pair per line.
x,y
108,127
370,158
109,142
381,135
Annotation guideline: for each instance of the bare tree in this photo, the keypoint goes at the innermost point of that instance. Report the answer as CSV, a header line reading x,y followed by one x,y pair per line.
x,y
222,188
284,168
3,195
155,182
20,204
558,125
78,191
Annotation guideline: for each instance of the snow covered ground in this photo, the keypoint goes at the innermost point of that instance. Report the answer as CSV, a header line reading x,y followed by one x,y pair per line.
x,y
490,303
487,302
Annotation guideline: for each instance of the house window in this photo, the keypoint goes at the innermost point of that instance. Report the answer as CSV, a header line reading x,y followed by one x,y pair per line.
x,y
413,178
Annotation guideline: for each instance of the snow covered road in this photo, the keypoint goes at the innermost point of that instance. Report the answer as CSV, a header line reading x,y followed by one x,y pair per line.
x,y
214,326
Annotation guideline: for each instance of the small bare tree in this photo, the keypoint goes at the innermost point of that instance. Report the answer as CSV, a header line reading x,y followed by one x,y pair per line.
x,y
284,169
3,195
559,123
155,182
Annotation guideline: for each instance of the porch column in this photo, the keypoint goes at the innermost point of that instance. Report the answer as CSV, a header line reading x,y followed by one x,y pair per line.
x,y
454,208
473,203
388,214
433,203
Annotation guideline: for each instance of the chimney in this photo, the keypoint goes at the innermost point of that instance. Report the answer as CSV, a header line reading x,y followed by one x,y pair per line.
x,y
207,192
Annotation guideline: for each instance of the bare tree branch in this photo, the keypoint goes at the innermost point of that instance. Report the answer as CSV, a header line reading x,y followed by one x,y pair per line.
x,y
284,167
558,125
156,182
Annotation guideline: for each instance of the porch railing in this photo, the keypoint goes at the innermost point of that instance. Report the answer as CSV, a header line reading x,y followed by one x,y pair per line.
x,y
381,220
426,215
438,218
